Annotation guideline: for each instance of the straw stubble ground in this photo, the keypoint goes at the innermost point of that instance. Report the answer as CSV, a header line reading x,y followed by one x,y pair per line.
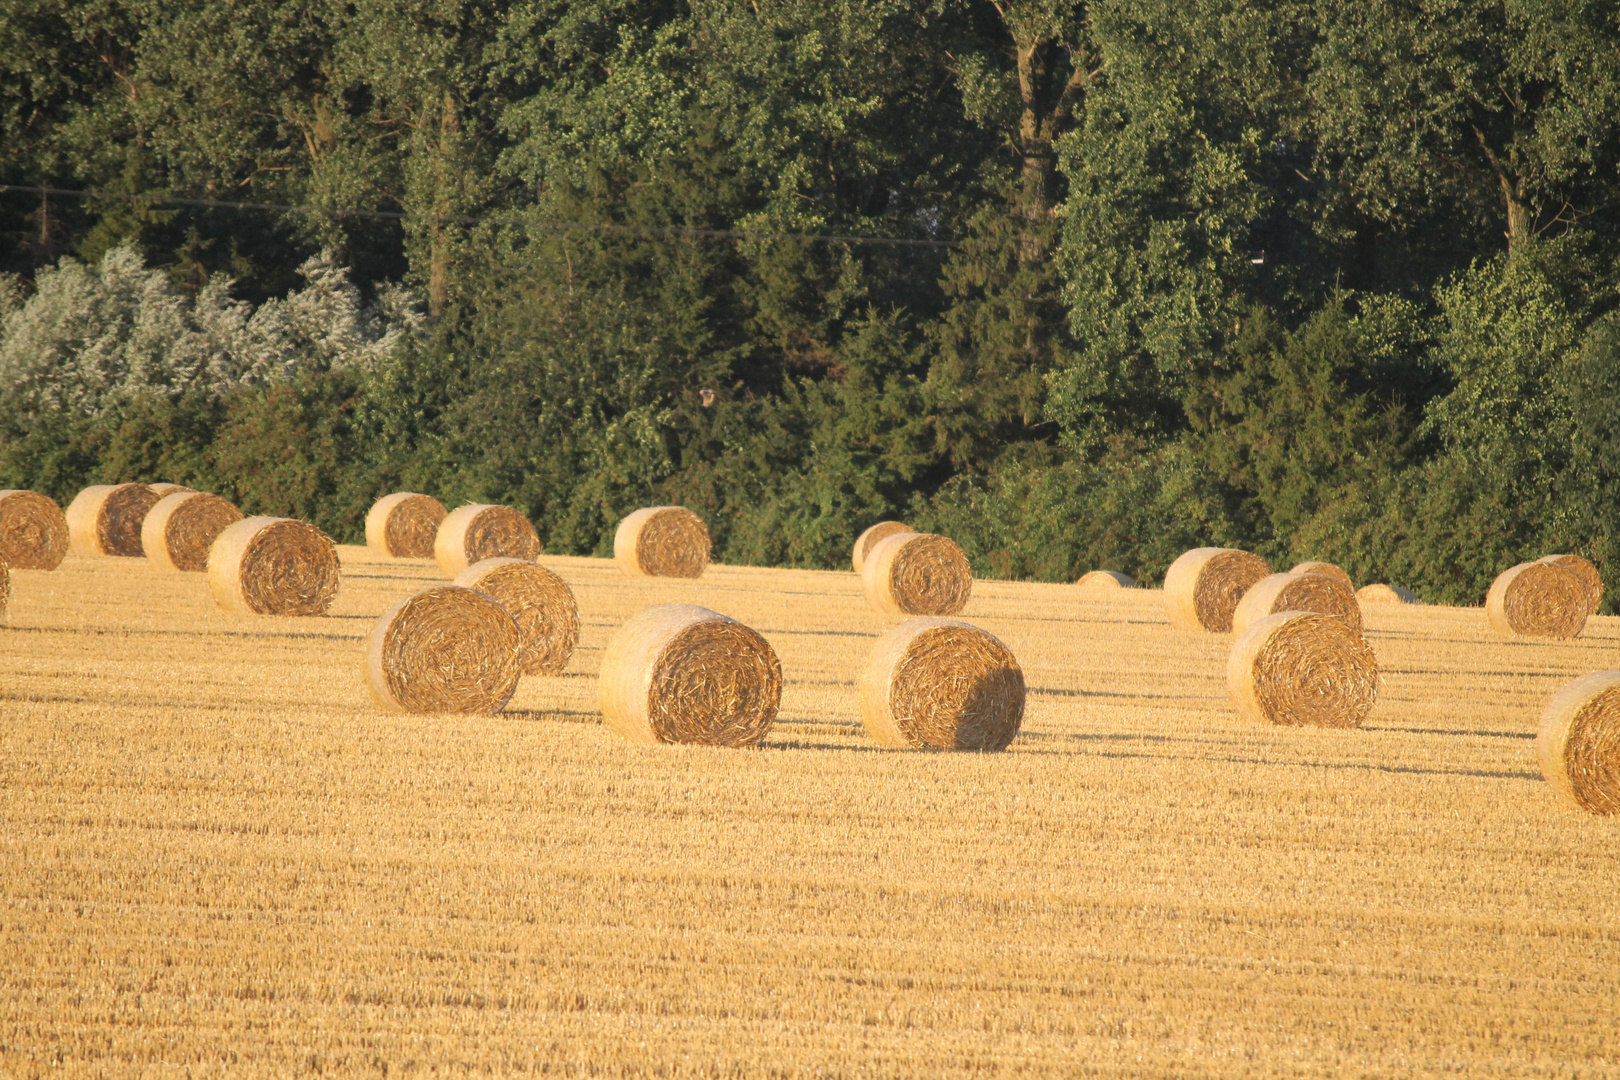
x,y
218,857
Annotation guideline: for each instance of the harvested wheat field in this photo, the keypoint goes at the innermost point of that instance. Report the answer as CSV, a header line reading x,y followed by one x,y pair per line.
x,y
221,858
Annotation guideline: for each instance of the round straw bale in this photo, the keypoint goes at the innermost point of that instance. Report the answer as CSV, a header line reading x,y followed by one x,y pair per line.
x,y
444,650
33,531
273,566
1202,587
662,541
163,488
865,542
1537,599
105,519
404,525
916,574
1297,592
677,673
940,684
1586,572
1106,580
479,531
180,529
1302,667
1326,569
541,604
1579,742
1385,594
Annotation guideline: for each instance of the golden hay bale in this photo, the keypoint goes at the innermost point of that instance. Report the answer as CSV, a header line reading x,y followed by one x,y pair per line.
x,y
916,574
1537,599
939,684
1301,667
1586,572
1579,742
273,566
1202,587
180,529
1385,594
404,525
444,650
1297,592
163,488
541,604
33,531
105,519
677,673
1326,569
662,541
1106,581
479,531
868,539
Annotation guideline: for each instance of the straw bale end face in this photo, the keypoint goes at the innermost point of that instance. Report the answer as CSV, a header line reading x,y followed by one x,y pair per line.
x,y
678,673
404,525
541,604
179,531
940,684
1588,574
444,650
1537,599
1202,587
1297,592
1303,668
1105,581
1579,743
105,519
479,531
1385,594
662,541
1325,569
273,566
911,574
33,531
868,540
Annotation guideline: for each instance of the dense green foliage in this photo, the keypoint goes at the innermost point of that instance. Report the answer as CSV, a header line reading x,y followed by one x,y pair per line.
x,y
1321,280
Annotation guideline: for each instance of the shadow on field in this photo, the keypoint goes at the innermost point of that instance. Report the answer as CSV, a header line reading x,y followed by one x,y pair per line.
x,y
1458,731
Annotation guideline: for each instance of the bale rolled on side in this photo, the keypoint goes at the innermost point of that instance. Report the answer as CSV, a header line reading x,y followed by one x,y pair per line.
x,y
444,650
868,540
1325,569
480,531
33,531
273,566
541,604
1588,574
1579,742
1537,599
1106,581
1297,592
404,525
182,527
105,519
1302,668
662,541
1385,594
1202,587
678,673
940,684
916,574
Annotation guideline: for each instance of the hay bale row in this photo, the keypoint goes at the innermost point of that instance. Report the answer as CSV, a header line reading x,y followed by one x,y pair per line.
x,y
33,531
1578,743
540,603
1538,599
273,566
1297,592
179,530
1303,668
444,649
909,573
105,519
662,541
1202,587
479,531
939,684
868,539
404,525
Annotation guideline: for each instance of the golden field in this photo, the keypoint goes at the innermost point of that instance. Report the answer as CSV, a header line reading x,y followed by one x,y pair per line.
x,y
220,858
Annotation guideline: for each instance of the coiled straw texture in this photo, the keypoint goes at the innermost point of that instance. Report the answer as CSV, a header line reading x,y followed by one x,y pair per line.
x,y
1579,742
1588,574
273,566
1202,587
33,531
677,673
1297,592
444,650
1326,569
479,531
662,541
1105,581
1302,668
868,540
541,604
404,525
1537,599
180,529
1385,594
105,519
916,574
939,684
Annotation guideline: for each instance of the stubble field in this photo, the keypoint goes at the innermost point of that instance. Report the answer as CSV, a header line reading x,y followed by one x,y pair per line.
x,y
218,857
